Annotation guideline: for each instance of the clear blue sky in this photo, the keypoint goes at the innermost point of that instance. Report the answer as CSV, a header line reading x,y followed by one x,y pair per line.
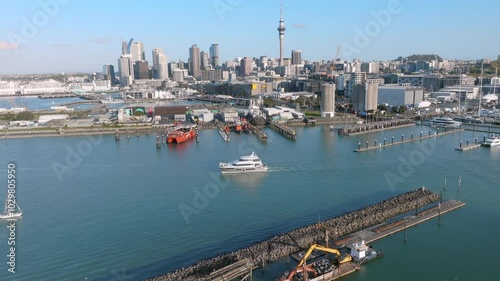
x,y
82,35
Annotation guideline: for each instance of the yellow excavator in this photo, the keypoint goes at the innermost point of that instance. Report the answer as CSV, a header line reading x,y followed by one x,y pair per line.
x,y
340,259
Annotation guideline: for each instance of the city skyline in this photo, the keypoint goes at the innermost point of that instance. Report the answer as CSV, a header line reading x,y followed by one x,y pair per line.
x,y
53,36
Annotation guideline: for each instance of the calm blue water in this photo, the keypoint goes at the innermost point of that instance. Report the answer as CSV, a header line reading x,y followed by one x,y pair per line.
x,y
112,209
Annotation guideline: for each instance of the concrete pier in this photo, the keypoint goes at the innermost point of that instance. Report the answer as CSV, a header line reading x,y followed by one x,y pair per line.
x,y
467,145
283,130
376,126
484,128
393,141
260,134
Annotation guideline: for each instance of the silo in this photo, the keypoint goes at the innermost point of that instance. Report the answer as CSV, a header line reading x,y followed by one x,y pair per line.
x,y
328,100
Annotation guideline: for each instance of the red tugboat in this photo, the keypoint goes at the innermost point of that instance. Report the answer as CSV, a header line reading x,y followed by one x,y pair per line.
x,y
181,133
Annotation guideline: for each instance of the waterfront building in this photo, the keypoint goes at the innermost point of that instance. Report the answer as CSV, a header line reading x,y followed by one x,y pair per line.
x,y
328,100
365,97
397,95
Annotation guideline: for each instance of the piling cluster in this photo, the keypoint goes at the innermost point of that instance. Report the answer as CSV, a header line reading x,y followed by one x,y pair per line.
x,y
283,245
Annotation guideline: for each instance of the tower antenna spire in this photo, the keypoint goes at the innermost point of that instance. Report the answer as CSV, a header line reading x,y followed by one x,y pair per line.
x,y
281,9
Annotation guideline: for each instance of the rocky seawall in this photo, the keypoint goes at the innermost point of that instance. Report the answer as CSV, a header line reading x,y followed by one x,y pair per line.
x,y
302,238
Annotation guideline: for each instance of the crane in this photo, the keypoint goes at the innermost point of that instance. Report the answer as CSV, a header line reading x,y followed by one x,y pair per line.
x,y
340,259
335,59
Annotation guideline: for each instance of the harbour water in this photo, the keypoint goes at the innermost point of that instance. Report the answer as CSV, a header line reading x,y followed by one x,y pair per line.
x,y
96,209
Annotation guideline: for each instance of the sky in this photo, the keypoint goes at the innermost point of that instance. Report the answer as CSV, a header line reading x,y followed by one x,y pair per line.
x,y
55,36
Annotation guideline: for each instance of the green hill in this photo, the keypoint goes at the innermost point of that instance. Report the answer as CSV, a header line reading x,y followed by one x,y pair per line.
x,y
420,57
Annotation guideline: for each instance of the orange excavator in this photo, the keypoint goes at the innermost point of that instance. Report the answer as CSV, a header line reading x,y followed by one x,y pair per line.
x,y
300,268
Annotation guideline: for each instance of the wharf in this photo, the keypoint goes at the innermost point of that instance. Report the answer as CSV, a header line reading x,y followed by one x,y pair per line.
x,y
223,133
283,130
56,96
387,228
484,128
392,143
262,136
375,127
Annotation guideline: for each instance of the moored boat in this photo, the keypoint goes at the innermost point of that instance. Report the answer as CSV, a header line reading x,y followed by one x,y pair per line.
x,y
492,141
181,133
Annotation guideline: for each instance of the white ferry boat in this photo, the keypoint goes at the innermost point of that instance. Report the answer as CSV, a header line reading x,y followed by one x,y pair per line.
x,y
444,122
245,164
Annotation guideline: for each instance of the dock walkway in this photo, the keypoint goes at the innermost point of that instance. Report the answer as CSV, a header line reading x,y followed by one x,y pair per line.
x,y
392,142
380,231
262,136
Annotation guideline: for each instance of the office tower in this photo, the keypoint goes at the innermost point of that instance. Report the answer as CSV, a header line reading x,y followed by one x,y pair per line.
x,y
246,66
194,61
160,66
296,57
214,55
141,70
281,32
137,51
108,70
126,47
263,62
204,61
125,66
328,100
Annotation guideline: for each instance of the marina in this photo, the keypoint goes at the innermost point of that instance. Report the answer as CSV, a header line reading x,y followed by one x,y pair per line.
x,y
253,194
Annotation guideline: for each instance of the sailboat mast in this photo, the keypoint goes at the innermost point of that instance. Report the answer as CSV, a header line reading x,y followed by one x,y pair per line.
x,y
480,90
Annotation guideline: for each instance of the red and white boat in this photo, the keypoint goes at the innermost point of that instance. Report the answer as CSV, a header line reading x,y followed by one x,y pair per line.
x,y
181,133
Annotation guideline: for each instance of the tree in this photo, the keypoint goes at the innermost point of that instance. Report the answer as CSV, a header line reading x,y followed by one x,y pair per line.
x,y
268,102
25,116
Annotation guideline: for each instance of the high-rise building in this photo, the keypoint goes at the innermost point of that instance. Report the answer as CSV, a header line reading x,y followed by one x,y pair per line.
x,y
141,69
126,47
328,100
137,51
160,66
126,68
246,66
263,63
281,32
214,55
296,57
194,61
204,61
108,70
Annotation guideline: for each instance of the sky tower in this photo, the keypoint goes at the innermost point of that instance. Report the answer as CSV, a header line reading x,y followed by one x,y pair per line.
x,y
281,31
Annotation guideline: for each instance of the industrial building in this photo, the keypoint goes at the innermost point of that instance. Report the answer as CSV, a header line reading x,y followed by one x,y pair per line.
x,y
400,95
365,97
